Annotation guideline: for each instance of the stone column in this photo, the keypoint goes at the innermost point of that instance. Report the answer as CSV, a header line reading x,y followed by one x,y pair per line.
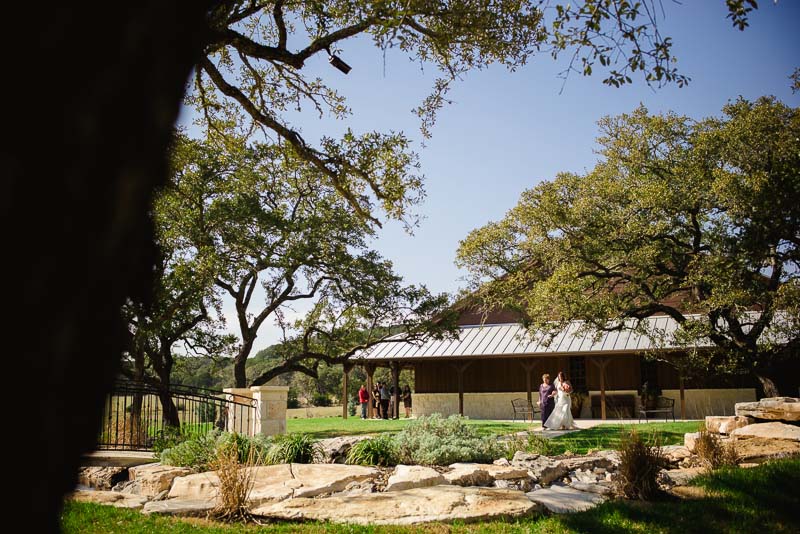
x,y
270,416
239,418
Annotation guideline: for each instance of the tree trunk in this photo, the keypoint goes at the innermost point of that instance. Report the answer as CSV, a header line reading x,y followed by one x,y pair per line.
x,y
240,363
768,387
119,86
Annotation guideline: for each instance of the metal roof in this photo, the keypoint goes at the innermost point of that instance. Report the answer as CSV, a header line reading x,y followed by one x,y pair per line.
x,y
515,340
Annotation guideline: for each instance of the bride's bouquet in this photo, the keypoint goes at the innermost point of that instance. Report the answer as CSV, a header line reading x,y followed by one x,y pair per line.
x,y
566,387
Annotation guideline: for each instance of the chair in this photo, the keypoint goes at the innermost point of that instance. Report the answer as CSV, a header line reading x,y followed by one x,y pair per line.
x,y
524,408
664,405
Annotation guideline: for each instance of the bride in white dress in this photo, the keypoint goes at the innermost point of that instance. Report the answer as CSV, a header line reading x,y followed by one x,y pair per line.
x,y
561,418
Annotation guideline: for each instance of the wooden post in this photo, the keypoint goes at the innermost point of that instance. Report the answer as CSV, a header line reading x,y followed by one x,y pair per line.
x,y
683,396
370,370
395,367
460,368
602,364
345,379
529,367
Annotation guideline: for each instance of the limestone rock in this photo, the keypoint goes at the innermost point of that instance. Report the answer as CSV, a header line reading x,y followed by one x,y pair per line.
x,y
154,478
564,500
496,471
114,498
774,430
502,461
541,469
750,449
413,476
675,453
278,482
772,408
519,484
195,487
727,424
690,440
681,477
406,507
103,478
586,462
182,507
317,479
334,450
599,488
469,475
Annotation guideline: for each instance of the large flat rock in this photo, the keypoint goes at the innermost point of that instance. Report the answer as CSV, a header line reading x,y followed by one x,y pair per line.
x,y
113,498
182,507
103,478
466,474
277,482
154,478
334,450
565,500
407,507
771,408
681,477
413,476
541,469
752,449
774,430
727,424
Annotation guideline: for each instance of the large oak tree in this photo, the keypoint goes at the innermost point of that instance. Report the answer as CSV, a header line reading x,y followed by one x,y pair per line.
x,y
698,220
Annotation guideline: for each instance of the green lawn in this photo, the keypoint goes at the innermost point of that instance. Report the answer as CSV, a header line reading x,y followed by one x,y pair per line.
x,y
761,499
329,427
608,436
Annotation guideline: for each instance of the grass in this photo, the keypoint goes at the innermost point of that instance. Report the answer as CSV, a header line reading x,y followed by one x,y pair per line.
x,y
761,499
608,436
329,427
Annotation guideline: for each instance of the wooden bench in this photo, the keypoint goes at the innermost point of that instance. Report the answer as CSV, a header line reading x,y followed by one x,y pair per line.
x,y
618,405
523,408
664,406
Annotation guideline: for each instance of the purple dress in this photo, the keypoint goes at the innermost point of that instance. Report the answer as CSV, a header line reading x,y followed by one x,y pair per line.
x,y
546,402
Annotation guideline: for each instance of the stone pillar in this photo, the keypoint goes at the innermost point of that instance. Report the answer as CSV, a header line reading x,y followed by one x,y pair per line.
x,y
270,410
239,417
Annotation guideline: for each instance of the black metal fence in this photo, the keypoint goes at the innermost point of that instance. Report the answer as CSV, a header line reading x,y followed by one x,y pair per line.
x,y
137,414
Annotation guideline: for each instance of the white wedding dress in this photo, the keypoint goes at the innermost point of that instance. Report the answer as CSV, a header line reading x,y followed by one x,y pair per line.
x,y
561,418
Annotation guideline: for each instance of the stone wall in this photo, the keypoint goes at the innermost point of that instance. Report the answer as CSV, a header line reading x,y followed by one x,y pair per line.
x,y
699,402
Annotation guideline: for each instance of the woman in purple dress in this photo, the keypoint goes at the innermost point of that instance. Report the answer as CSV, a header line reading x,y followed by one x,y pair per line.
x,y
546,402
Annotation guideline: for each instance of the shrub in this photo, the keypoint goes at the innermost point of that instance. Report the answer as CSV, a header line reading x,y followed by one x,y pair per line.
x,y
713,453
351,407
199,451
639,467
433,440
321,400
293,448
373,451
292,403
206,412
539,445
167,438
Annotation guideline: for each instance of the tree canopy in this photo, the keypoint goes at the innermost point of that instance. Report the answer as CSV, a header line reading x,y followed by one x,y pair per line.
x,y
698,220
251,69
256,216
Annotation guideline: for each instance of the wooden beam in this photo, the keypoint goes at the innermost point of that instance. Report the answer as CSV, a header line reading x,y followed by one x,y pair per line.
x,y
395,367
460,368
601,363
347,367
683,396
370,370
529,366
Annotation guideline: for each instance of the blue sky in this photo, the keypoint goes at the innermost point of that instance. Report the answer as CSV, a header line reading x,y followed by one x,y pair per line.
x,y
506,132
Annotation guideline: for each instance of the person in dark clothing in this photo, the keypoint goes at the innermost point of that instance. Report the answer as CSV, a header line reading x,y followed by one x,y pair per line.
x,y
407,400
546,401
376,400
385,396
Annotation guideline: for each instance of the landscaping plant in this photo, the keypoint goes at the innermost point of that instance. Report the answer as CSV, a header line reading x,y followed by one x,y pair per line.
x,y
373,451
434,440
235,480
713,453
639,467
293,448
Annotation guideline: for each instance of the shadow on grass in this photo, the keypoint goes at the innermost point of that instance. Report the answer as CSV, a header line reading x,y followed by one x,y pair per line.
x,y
608,436
764,499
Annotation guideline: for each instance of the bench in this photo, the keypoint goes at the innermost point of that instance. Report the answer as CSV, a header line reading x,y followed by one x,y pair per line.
x,y
664,406
523,408
621,406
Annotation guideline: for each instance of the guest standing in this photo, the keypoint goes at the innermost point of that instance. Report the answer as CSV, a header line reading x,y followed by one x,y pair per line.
x,y
385,396
546,402
407,400
363,398
376,400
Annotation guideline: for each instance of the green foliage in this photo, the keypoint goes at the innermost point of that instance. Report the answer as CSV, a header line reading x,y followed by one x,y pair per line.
x,y
693,219
199,452
433,440
380,450
168,437
293,448
321,400
639,467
